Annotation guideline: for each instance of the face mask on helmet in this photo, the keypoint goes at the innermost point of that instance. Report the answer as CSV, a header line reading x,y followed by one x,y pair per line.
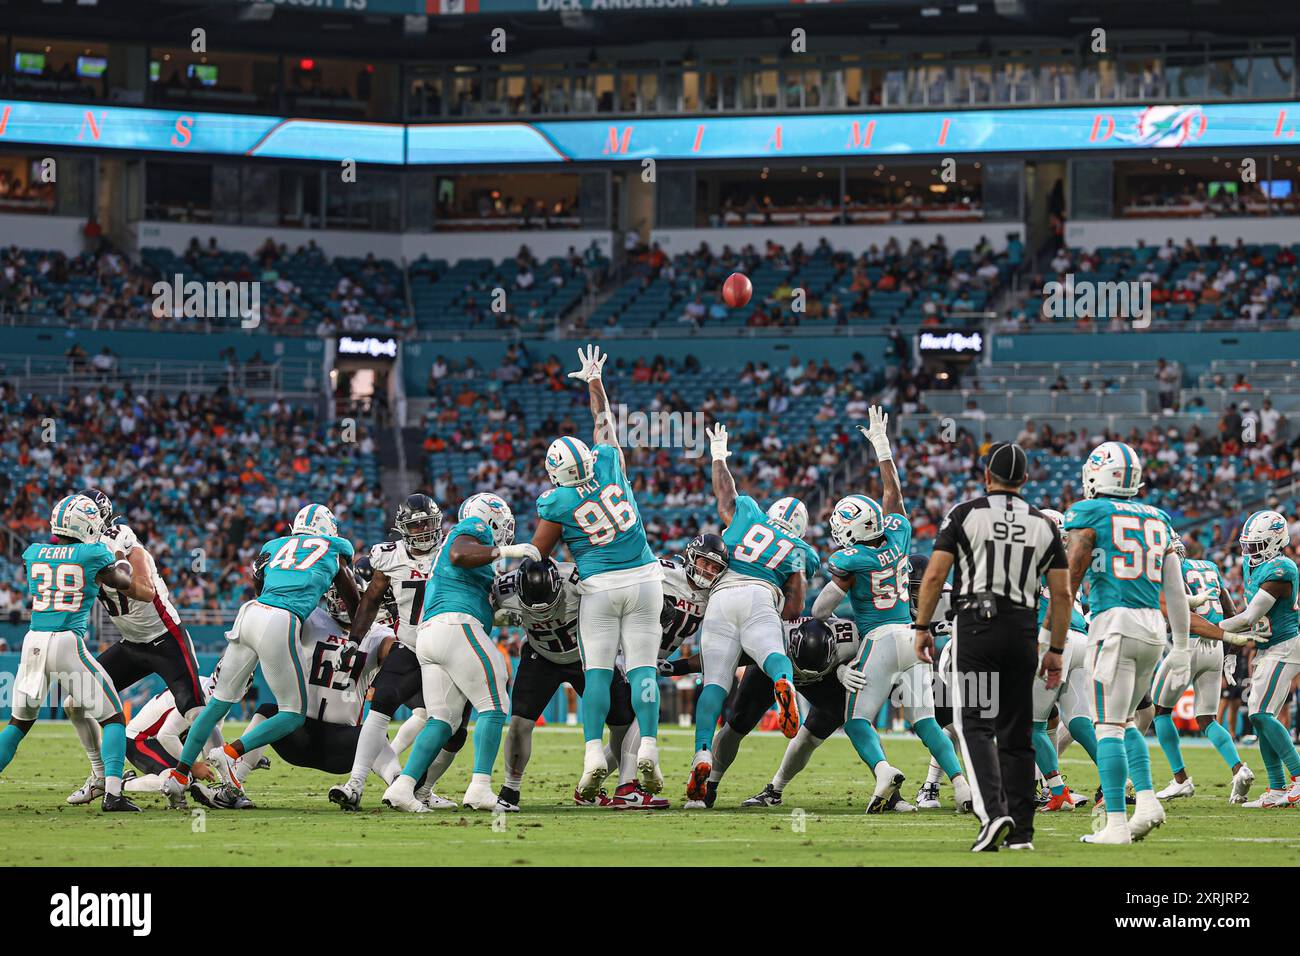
x,y
419,522
706,559
812,650
540,587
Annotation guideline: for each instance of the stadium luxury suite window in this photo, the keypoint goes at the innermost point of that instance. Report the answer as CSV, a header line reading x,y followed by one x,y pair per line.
x,y
61,69
24,189
217,81
915,192
508,202
1183,187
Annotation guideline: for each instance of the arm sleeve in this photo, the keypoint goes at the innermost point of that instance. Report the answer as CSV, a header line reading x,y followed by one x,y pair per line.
x,y
1176,602
946,540
1259,605
827,601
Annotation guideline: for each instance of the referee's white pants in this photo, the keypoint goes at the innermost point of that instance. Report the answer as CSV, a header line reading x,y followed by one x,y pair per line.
x,y
626,617
272,637
740,618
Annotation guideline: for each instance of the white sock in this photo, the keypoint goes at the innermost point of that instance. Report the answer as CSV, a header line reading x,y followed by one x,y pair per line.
x,y
89,733
371,742
387,766
248,762
113,785
627,758
409,730
596,747
1116,818
797,753
438,767
403,785
726,744
481,779
1063,737
934,773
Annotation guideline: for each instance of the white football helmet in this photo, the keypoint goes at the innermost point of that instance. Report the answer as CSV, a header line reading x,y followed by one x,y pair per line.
x,y
1263,536
77,517
790,515
569,462
494,512
856,519
1114,469
1059,520
316,519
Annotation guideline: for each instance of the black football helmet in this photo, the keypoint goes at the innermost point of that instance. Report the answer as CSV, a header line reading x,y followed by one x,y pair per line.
x,y
812,650
363,571
706,549
540,585
419,522
333,601
104,502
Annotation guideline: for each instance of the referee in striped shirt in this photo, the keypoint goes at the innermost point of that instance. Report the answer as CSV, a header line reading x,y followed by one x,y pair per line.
x,y
999,550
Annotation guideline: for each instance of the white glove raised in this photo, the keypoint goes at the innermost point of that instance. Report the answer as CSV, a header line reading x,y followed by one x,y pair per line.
x,y
1199,601
718,442
877,432
519,551
852,680
593,360
1178,667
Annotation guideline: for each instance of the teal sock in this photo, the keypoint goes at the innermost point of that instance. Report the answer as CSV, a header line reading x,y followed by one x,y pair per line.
x,y
645,699
708,708
778,667
1085,735
595,701
1139,759
1218,735
272,729
1112,767
1167,734
1045,753
865,741
487,739
207,720
112,749
940,747
1269,727
435,734
10,738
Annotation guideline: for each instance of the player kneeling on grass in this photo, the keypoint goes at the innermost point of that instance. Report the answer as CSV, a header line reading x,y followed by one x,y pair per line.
x,y
1272,596
300,569
458,661
63,579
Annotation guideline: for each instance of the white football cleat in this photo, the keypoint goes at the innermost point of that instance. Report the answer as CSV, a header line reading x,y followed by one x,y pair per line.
x,y
647,766
594,772
1112,834
1148,816
224,763
888,779
1176,790
695,805
1293,794
173,787
961,794
927,798
1268,800
91,790
400,795
435,802
346,796
900,806
479,796
1241,781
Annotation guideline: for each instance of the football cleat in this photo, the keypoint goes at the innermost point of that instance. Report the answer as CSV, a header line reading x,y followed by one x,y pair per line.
x,y
1027,845
263,763
896,804
223,760
88,791
1176,790
435,802
695,805
992,835
594,772
961,794
888,780
1268,800
173,787
479,796
632,796
1112,834
647,767
1148,816
346,797
118,803
1098,799
231,798
1241,781
768,797
600,800
1293,794
1058,802
710,794
701,767
503,806
400,795
927,798
1078,799
788,706
508,795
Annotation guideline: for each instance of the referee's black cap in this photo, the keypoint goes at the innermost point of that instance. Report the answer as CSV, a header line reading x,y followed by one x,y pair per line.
x,y
1008,463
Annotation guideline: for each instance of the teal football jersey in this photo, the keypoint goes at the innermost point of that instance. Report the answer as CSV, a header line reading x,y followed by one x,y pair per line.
x,y
456,590
880,576
1077,621
600,520
1284,615
1201,576
1128,555
61,582
301,569
759,549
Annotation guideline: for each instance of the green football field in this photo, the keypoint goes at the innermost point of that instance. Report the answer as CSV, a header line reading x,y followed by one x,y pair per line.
x,y
821,822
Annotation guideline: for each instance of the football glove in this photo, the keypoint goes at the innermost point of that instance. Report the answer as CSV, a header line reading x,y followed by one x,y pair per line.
x,y
1197,602
877,432
718,442
1178,667
852,680
592,362
519,551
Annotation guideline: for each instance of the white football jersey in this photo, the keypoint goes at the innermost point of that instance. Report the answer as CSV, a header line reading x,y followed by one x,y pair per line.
x,y
683,607
139,621
555,635
847,641
338,672
408,575
148,720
